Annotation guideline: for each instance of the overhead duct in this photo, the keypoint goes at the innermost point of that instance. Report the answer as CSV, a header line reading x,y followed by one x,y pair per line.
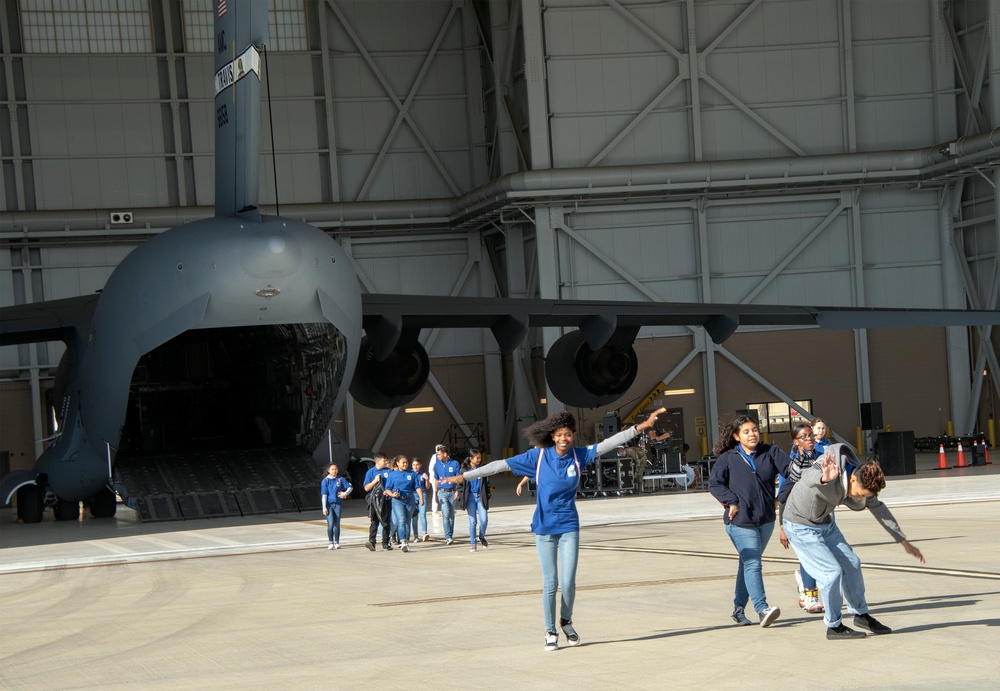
x,y
908,166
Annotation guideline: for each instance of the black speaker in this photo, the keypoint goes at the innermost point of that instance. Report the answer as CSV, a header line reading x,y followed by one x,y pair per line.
x,y
672,463
895,453
611,424
871,416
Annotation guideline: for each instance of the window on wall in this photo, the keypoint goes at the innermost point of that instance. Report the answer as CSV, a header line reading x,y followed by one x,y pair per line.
x,y
776,416
85,26
286,25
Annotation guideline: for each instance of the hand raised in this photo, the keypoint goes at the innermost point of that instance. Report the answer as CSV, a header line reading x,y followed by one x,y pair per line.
x,y
831,471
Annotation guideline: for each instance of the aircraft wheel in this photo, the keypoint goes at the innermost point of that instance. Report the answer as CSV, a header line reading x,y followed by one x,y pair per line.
x,y
29,504
66,510
104,504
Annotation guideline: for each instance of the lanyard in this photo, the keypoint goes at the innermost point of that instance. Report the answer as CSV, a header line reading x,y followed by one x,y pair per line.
x,y
748,459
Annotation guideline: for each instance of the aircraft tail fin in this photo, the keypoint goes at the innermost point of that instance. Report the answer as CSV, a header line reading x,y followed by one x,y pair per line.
x,y
240,31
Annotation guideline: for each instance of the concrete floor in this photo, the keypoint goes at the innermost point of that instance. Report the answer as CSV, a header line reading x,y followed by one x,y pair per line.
x,y
256,602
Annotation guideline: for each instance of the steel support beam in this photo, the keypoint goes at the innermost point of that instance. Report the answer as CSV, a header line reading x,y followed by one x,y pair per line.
x,y
844,203
403,110
333,167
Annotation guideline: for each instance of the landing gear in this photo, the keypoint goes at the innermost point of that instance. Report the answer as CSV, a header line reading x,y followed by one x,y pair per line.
x,y
66,510
104,504
29,503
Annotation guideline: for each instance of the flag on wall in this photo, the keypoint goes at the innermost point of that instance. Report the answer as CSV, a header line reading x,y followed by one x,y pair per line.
x,y
222,8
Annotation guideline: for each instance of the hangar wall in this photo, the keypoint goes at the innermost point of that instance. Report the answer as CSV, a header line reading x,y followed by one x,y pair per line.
x,y
426,99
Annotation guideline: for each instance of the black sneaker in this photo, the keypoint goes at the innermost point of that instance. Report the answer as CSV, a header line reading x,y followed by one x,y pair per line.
x,y
841,632
387,547
870,623
483,542
572,637
740,618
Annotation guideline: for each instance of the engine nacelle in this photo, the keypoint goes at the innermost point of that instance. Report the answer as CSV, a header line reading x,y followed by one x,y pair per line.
x,y
585,378
394,381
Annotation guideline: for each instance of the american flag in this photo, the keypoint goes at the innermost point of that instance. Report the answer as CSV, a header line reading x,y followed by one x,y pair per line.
x,y
222,8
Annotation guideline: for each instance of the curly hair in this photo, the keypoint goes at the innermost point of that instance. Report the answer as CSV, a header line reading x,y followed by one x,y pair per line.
x,y
870,476
727,434
540,433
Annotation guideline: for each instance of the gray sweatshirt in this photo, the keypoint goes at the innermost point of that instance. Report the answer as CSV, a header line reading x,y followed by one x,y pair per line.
x,y
811,502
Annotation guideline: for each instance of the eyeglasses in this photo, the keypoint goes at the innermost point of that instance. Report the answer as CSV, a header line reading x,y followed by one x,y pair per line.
x,y
808,437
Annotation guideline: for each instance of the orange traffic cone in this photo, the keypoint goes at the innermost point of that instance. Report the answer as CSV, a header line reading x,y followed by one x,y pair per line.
x,y
942,460
961,456
986,451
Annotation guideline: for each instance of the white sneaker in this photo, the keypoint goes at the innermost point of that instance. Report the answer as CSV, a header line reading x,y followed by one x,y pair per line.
x,y
425,537
336,545
473,548
768,616
449,541
405,547
331,546
551,641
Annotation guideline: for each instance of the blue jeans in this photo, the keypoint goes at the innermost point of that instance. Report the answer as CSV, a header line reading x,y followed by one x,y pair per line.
x,y
447,499
333,522
476,510
422,515
750,543
402,511
808,582
565,546
837,569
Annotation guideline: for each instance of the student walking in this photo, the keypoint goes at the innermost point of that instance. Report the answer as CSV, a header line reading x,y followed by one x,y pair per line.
x,y
807,516
333,490
556,466
743,480
474,497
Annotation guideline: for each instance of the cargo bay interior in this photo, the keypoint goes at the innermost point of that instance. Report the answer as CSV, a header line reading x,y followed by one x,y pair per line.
x,y
807,152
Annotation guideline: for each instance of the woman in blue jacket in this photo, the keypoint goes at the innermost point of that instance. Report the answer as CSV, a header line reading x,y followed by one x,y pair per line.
x,y
333,490
556,466
743,480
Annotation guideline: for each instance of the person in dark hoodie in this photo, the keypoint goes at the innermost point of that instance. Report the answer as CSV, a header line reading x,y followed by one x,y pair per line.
x,y
743,480
841,479
474,497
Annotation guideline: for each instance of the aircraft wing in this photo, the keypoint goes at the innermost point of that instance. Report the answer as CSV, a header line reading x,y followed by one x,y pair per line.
x,y
387,316
52,320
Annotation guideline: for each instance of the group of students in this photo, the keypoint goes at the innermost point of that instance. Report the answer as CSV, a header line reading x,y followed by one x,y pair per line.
x,y
397,496
743,479
810,487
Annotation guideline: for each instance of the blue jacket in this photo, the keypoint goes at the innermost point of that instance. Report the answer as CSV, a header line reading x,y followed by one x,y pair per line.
x,y
733,481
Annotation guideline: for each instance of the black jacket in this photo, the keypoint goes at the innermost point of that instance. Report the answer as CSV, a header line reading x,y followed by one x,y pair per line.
x,y
484,494
733,482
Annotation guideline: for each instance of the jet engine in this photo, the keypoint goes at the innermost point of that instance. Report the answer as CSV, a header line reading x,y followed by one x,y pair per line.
x,y
582,377
391,382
